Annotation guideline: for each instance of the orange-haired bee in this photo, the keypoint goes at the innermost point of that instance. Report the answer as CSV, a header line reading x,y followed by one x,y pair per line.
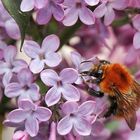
x,y
123,90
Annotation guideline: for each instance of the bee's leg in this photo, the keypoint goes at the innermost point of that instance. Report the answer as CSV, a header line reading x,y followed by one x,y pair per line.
x,y
93,92
113,107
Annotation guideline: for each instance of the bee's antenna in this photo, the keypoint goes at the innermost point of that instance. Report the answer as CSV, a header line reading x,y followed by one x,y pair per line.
x,y
86,61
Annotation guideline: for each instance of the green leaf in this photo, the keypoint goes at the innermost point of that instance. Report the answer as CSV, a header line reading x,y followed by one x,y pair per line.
x,y
22,19
120,22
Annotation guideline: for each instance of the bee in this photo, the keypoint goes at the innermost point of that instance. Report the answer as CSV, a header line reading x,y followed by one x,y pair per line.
x,y
115,80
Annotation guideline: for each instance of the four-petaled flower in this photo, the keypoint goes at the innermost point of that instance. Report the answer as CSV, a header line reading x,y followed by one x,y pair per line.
x,y
31,115
54,8
25,88
43,55
75,9
77,117
60,84
106,9
10,64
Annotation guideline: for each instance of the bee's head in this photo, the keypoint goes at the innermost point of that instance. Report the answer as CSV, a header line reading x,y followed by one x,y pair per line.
x,y
97,69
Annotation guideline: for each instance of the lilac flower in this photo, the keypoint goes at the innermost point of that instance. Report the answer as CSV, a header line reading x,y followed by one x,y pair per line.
x,y
8,23
20,135
136,39
134,3
31,115
75,9
54,8
25,88
11,64
106,9
43,55
60,84
28,6
76,118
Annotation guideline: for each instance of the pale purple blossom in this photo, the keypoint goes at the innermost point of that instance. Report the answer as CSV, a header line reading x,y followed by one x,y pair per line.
x,y
28,6
20,135
25,88
60,85
53,8
136,39
44,55
31,115
8,23
76,117
107,7
134,3
10,64
75,9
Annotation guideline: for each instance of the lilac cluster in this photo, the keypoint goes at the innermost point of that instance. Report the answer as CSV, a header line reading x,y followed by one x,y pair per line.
x,y
64,105
47,97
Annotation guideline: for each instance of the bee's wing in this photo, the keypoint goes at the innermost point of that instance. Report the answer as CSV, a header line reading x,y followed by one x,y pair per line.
x,y
126,104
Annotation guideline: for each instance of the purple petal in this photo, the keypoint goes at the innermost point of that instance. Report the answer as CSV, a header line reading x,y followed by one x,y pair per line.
x,y
32,126
40,3
82,126
119,4
13,90
34,92
25,77
68,75
12,29
69,107
43,15
20,135
64,125
50,43
58,12
53,59
59,1
86,16
136,40
136,21
18,65
86,108
26,5
12,124
92,2
71,17
100,10
52,97
26,105
70,93
4,67
36,65
42,114
109,16
76,59
6,78
97,128
49,77
17,116
68,3
31,48
10,53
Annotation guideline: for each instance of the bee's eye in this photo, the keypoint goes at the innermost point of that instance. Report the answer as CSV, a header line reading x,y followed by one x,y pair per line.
x,y
98,74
